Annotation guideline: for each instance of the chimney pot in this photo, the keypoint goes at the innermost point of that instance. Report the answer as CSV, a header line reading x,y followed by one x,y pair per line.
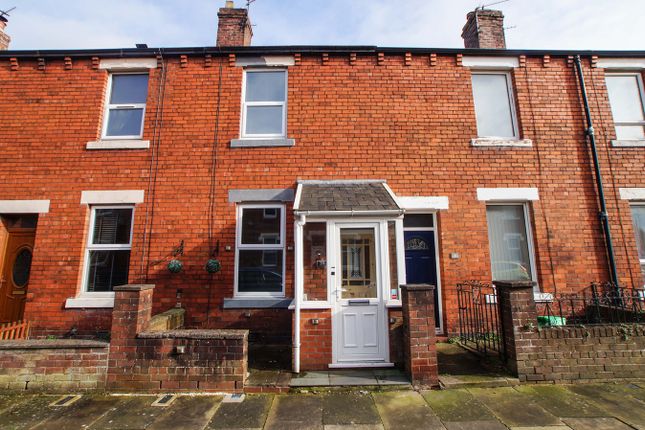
x,y
484,29
234,26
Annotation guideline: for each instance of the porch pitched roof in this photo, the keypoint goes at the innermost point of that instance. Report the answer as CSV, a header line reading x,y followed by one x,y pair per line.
x,y
345,196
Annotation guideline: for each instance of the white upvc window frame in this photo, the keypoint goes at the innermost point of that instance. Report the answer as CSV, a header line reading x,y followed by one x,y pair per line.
x,y
245,105
641,90
239,246
510,98
638,204
108,107
89,246
529,237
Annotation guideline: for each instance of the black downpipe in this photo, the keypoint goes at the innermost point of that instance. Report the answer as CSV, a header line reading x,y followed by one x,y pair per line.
x,y
601,194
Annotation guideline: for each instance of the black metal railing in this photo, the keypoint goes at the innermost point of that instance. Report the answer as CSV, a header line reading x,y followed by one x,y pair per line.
x,y
600,303
479,324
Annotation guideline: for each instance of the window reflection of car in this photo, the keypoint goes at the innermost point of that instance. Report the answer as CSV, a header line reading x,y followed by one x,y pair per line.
x,y
259,279
510,270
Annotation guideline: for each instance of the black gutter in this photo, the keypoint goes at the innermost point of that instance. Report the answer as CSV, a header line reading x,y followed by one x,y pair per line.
x,y
303,49
602,215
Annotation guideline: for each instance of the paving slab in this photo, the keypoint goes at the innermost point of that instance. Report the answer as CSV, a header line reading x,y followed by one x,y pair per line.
x,y
29,413
514,408
561,402
562,427
354,427
349,408
405,410
457,406
8,401
296,412
81,414
248,414
190,412
132,413
352,380
475,425
616,404
596,424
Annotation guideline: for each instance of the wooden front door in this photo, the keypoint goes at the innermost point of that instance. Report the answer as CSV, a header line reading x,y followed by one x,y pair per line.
x,y
16,248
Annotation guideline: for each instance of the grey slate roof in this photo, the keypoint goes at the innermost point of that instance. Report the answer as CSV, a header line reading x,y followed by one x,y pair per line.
x,y
345,196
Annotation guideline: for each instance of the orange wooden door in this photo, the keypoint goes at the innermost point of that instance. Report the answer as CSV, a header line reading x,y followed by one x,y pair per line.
x,y
14,274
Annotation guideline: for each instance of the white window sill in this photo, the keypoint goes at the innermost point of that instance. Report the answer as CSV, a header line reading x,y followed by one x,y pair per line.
x,y
118,144
393,304
640,143
258,143
87,301
257,303
497,142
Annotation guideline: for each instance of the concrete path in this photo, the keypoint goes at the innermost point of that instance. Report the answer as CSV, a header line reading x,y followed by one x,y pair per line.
x,y
546,407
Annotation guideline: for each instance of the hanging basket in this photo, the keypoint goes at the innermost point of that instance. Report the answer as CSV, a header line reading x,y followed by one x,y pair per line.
x,y
213,266
175,266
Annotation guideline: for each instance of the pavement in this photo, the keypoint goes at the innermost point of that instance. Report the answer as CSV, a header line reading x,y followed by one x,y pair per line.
x,y
550,407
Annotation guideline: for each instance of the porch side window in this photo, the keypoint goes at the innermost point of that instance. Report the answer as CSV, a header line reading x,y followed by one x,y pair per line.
x,y
511,251
125,106
638,217
260,250
108,249
494,105
264,104
626,100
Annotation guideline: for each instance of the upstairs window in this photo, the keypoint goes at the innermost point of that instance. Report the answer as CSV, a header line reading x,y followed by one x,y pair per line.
x,y
108,249
125,106
494,105
626,100
260,250
264,103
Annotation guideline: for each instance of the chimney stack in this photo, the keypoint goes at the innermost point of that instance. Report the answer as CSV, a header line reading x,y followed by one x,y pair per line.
x,y
4,37
484,29
234,26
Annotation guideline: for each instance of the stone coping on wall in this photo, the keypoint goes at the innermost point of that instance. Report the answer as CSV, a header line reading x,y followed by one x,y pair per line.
x,y
195,334
52,344
418,287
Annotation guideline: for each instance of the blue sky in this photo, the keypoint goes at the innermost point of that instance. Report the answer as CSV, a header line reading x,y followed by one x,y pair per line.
x,y
549,24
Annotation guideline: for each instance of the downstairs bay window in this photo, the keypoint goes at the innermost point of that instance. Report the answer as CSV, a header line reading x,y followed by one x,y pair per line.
x,y
259,251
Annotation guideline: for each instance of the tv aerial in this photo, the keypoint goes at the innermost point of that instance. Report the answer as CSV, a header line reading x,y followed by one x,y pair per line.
x,y
4,13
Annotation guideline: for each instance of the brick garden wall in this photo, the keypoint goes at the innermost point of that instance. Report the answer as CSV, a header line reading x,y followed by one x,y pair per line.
x,y
177,360
566,354
409,122
53,365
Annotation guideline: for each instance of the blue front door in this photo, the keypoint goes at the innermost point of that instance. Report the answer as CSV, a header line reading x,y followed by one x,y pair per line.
x,y
421,263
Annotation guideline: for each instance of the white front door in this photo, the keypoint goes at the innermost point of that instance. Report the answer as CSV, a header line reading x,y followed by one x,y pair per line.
x,y
359,331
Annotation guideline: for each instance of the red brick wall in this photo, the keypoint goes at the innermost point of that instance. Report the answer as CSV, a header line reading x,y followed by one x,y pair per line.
x,y
53,365
315,340
409,124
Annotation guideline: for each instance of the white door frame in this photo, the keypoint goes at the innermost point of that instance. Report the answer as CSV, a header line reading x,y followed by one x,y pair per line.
x,y
435,229
383,282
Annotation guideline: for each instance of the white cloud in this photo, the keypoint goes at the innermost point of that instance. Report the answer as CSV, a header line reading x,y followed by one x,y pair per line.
x,y
549,24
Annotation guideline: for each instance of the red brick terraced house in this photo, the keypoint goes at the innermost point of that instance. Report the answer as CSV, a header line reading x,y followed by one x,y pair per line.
x,y
320,178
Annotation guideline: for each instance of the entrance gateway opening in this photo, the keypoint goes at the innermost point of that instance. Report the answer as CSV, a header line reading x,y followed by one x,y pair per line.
x,y
355,245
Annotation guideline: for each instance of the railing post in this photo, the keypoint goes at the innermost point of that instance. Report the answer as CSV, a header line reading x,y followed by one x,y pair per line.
x,y
518,315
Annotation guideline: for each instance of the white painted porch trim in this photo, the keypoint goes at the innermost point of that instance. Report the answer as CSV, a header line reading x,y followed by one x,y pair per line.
x,y
481,62
632,193
423,203
128,63
507,194
111,197
24,206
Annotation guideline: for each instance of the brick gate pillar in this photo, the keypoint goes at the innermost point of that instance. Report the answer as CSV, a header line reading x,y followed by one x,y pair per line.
x,y
419,336
518,316
131,315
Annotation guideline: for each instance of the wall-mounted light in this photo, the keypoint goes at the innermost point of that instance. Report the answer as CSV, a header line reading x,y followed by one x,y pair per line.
x,y
314,321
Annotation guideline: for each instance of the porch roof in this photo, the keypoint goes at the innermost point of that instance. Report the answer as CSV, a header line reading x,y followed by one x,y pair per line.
x,y
345,196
